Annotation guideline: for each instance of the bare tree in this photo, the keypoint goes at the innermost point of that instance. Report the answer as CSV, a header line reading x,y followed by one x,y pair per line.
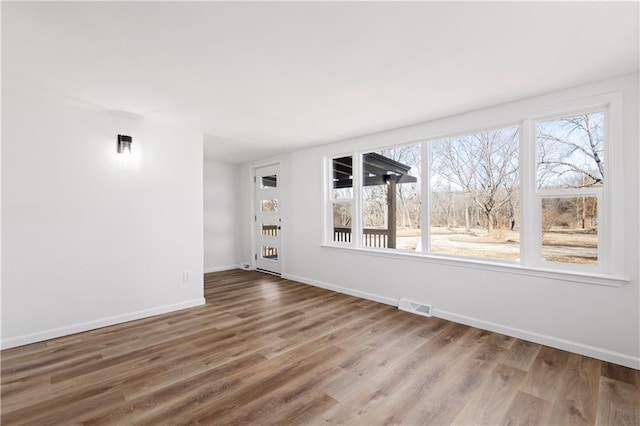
x,y
409,205
570,151
569,213
342,215
374,206
484,165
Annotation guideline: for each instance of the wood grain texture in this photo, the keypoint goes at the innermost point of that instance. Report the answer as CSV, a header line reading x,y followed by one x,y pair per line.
x,y
526,409
490,401
578,395
543,380
265,350
618,403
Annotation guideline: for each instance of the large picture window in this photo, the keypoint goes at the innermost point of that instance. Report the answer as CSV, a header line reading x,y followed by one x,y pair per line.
x,y
535,193
474,204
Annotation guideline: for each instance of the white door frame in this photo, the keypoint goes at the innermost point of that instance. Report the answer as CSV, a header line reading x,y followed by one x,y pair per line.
x,y
254,213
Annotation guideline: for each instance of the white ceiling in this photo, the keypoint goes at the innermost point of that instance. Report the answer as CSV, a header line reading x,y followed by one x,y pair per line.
x,y
263,78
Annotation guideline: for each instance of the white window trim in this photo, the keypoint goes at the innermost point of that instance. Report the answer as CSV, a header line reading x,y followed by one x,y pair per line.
x,y
356,220
487,265
330,201
610,268
533,253
425,184
428,142
608,250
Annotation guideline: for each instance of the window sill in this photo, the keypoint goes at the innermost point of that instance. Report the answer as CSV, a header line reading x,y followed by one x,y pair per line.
x,y
488,265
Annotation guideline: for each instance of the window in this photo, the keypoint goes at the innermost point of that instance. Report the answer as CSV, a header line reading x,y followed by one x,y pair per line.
x,y
391,198
570,176
570,152
269,206
342,199
535,194
267,182
570,229
474,204
269,230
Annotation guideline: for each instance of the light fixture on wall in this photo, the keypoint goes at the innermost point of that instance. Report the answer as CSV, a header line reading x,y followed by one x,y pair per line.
x,y
124,144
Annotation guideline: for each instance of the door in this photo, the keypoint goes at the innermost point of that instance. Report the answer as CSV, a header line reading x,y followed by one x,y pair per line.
x,y
268,221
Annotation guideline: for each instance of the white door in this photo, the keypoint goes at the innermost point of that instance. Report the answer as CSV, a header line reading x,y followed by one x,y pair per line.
x,y
267,219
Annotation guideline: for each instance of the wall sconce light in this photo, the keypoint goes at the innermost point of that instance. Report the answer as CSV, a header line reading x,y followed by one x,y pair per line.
x,y
124,144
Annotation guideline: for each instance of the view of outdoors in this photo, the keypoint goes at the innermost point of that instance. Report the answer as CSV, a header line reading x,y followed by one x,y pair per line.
x,y
570,155
569,231
474,200
270,206
342,197
391,198
474,195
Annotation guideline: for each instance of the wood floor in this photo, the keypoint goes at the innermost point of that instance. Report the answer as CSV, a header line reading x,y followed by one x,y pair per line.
x,y
264,350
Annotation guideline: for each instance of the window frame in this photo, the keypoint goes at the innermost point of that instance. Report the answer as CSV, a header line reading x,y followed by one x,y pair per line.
x,y
359,202
330,201
602,194
428,142
609,269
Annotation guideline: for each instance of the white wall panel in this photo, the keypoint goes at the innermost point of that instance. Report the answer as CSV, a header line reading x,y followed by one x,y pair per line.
x,y
91,237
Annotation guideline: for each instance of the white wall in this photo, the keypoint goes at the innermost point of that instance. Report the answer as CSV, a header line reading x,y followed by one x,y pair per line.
x,y
221,216
599,321
91,237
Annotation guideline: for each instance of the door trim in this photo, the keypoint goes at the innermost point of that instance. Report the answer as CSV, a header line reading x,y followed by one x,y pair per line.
x,y
252,223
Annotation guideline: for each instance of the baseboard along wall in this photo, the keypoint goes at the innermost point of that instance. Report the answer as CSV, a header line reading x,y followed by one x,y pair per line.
x,y
554,342
94,324
223,268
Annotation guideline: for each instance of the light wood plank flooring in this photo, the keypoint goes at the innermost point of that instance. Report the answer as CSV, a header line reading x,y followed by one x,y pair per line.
x,y
265,350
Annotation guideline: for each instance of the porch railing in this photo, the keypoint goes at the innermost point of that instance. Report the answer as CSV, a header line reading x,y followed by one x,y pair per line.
x,y
269,230
371,237
269,252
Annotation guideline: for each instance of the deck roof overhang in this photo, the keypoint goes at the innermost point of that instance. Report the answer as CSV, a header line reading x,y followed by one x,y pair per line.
x,y
377,170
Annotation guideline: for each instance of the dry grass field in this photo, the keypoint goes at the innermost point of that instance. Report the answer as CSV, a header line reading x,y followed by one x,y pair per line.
x,y
559,244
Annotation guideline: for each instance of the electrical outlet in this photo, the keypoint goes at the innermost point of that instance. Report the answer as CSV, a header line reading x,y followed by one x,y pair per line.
x,y
186,276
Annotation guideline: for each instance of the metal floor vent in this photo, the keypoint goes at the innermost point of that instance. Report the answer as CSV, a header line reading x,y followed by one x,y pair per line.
x,y
415,307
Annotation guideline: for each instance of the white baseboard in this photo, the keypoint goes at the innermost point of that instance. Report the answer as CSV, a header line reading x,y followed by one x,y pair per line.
x,y
222,268
344,290
99,323
554,342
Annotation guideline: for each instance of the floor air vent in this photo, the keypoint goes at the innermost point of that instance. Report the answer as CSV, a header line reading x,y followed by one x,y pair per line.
x,y
415,307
